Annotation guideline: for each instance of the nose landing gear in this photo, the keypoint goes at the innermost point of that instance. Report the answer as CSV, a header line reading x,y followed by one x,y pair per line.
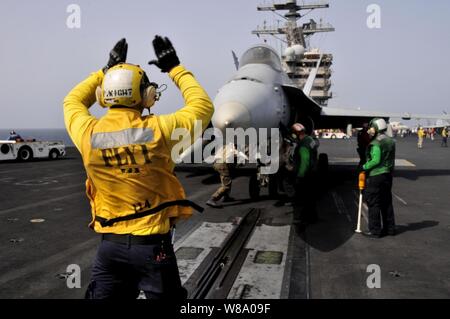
x,y
259,181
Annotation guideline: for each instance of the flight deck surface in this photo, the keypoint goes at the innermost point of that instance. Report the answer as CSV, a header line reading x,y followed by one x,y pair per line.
x,y
45,213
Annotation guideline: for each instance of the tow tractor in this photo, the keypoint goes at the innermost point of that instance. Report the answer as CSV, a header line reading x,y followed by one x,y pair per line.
x,y
27,150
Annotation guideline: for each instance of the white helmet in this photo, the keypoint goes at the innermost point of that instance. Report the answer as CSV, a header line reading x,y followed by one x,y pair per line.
x,y
297,128
379,125
127,85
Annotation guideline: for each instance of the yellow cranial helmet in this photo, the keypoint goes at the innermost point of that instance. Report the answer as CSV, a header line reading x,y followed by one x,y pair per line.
x,y
126,85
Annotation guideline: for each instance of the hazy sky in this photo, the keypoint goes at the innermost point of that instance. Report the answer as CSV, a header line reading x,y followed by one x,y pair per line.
x,y
404,66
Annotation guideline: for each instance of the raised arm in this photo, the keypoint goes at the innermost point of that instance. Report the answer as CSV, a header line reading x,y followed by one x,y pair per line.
x,y
77,103
198,106
76,107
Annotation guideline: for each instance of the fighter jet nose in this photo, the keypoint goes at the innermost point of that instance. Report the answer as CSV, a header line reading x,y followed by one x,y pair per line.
x,y
231,115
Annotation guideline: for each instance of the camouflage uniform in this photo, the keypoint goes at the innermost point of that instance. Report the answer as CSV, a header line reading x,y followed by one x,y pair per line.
x,y
225,180
223,165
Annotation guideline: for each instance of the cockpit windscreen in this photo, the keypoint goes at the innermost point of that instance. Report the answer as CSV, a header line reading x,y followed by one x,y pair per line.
x,y
261,55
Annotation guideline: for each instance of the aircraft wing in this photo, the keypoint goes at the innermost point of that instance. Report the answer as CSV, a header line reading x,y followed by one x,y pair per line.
x,y
339,118
329,117
440,123
302,103
326,117
431,126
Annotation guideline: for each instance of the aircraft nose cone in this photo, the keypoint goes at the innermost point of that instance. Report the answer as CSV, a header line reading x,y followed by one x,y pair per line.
x,y
231,115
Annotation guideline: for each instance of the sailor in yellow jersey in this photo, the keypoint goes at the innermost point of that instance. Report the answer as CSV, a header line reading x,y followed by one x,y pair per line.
x,y
134,194
420,135
444,134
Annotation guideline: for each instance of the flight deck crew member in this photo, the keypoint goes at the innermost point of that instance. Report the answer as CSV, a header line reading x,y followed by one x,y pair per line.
x,y
444,135
420,136
134,194
379,168
13,136
363,143
304,201
224,163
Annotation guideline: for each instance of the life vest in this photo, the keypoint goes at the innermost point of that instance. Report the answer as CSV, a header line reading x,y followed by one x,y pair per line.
x,y
289,156
387,159
131,185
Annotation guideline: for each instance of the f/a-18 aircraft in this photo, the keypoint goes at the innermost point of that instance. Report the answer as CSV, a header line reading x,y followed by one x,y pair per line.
x,y
264,93
399,129
260,95
398,126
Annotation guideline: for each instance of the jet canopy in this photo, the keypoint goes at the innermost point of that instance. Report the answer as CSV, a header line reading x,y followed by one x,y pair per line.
x,y
261,54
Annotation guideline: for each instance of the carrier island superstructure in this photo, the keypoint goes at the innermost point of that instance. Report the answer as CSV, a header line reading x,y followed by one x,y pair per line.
x,y
299,59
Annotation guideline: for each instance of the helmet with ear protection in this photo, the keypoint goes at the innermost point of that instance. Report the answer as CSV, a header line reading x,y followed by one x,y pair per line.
x,y
149,92
126,85
379,125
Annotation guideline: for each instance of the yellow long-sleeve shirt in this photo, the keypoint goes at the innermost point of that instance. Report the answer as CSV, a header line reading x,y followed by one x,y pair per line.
x,y
421,133
127,156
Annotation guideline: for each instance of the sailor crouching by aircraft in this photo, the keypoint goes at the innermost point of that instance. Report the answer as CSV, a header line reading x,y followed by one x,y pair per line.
x,y
134,194
305,157
379,168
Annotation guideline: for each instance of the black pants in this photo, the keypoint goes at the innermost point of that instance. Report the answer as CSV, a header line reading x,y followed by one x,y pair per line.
x,y
120,271
362,155
378,196
305,200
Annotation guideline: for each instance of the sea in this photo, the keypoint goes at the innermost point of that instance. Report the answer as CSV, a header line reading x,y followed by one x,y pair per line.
x,y
39,135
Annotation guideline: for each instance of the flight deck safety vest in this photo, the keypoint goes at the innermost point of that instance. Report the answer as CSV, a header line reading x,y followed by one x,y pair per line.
x,y
130,173
387,159
312,146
